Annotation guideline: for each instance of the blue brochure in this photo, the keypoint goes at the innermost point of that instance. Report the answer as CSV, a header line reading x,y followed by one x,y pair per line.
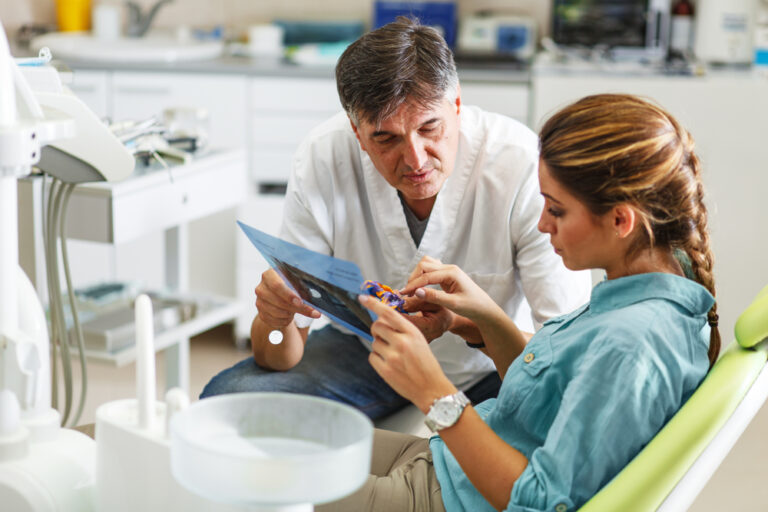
x,y
327,284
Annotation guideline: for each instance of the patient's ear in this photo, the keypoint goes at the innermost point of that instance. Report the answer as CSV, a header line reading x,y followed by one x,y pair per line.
x,y
625,218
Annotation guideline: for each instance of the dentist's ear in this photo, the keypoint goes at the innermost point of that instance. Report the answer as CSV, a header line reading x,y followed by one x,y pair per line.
x,y
357,133
458,99
625,219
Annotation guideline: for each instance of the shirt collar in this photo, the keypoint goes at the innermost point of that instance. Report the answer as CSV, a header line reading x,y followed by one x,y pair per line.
x,y
623,291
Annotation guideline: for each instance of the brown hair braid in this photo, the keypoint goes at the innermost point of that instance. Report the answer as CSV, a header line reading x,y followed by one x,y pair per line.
x,y
609,149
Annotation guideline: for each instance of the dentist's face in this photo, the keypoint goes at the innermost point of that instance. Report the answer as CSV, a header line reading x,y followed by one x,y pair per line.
x,y
414,150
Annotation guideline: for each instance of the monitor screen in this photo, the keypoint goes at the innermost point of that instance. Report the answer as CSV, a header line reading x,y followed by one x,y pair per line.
x,y
590,23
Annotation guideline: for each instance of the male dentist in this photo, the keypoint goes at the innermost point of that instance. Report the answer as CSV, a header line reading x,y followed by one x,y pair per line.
x,y
406,172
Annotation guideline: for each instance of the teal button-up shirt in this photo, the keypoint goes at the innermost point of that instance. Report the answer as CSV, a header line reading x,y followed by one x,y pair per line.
x,y
590,390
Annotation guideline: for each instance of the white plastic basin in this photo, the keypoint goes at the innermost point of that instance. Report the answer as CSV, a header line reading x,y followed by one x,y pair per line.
x,y
270,449
152,48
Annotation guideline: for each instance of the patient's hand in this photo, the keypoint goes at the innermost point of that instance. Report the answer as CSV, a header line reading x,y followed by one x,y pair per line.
x,y
458,292
431,319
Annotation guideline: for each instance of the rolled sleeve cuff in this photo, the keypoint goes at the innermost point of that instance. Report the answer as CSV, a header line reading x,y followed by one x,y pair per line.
x,y
533,492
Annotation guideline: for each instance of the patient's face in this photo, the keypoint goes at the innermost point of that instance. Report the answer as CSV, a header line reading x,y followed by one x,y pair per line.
x,y
582,239
414,149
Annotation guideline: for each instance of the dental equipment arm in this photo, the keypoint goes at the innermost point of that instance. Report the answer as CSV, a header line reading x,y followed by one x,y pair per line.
x,y
37,124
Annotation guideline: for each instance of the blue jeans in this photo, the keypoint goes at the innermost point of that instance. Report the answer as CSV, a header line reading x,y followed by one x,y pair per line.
x,y
335,365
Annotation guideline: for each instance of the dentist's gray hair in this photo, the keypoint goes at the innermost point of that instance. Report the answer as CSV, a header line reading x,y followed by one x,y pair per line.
x,y
398,62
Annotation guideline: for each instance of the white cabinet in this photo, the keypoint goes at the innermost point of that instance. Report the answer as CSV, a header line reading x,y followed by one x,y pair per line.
x,y
282,112
137,95
263,212
510,99
92,87
726,115
155,200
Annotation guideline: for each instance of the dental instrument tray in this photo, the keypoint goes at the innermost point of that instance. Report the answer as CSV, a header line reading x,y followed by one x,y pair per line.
x,y
330,285
113,328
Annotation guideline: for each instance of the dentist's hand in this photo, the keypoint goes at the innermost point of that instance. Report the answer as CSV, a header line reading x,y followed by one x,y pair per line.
x,y
401,356
277,303
458,292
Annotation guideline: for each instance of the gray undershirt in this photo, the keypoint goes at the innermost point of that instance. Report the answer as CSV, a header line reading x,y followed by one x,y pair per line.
x,y
415,226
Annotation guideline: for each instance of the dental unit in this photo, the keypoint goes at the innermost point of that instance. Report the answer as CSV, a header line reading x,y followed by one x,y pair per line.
x,y
255,451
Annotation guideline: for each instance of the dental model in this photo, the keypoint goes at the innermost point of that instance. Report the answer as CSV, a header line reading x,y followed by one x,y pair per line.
x,y
385,294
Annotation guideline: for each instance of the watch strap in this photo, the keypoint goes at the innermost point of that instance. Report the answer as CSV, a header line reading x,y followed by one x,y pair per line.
x,y
458,400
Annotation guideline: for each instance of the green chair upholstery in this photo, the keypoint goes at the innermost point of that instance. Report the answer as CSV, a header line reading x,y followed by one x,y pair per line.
x,y
673,468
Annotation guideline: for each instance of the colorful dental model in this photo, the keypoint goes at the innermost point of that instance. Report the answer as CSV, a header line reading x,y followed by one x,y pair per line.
x,y
385,294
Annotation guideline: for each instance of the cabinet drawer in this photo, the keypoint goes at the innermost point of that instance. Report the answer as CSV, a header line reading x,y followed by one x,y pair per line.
x,y
122,211
286,131
92,87
303,95
508,99
271,166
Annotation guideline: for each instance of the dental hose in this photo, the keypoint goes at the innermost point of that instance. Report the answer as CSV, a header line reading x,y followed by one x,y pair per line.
x,y
73,308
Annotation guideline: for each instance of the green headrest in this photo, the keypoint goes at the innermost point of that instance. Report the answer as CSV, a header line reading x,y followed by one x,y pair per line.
x,y
752,325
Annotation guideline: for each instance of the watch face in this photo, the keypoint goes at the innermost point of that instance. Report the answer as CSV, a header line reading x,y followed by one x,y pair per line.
x,y
445,412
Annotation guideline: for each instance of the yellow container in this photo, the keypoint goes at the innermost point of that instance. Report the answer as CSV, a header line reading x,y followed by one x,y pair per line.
x,y
73,15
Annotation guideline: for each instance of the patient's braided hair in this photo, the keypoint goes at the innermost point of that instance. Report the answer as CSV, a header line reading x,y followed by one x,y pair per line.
x,y
609,149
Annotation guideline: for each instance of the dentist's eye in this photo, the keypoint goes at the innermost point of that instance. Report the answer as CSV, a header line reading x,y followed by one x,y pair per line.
x,y
430,126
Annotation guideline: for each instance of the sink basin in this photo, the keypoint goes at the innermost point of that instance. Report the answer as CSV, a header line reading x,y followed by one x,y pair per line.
x,y
152,48
271,449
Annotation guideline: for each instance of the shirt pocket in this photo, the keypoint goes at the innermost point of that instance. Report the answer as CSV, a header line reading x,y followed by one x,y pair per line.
x,y
526,373
503,289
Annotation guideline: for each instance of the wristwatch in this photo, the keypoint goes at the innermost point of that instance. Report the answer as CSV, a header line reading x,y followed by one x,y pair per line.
x,y
446,411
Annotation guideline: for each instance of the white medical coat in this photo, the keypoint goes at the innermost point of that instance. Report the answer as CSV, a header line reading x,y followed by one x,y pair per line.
x,y
484,220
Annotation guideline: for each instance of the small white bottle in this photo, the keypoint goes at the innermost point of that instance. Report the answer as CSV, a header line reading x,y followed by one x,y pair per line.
x,y
681,34
107,17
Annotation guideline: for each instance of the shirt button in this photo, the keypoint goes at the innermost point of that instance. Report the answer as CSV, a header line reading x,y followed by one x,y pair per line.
x,y
561,507
528,358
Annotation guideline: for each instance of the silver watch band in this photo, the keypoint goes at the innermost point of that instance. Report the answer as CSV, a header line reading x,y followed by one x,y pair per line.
x,y
446,411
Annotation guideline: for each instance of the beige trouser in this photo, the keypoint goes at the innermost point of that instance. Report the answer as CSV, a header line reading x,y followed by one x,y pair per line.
x,y
402,478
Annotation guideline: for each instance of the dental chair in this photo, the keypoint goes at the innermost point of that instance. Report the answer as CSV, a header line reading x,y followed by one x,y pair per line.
x,y
674,467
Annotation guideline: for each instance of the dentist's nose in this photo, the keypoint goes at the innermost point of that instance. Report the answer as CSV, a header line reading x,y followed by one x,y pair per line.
x,y
415,155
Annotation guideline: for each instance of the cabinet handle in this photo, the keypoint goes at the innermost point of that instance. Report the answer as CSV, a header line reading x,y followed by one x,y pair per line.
x,y
82,88
272,188
143,90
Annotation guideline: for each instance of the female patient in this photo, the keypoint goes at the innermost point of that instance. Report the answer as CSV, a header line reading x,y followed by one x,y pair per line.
x,y
622,192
